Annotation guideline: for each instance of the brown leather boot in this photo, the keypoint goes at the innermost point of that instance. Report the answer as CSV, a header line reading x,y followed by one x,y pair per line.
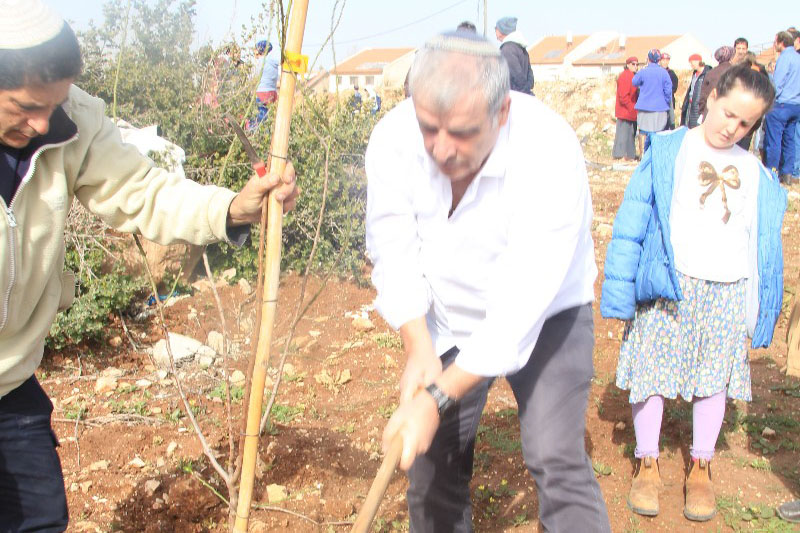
x,y
701,504
643,497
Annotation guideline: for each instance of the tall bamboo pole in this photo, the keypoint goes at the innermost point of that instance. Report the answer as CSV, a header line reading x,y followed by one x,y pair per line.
x,y
272,263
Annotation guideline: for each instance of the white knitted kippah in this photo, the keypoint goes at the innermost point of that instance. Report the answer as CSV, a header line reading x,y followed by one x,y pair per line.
x,y
27,23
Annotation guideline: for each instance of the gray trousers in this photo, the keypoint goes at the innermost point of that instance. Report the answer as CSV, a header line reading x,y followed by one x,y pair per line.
x,y
551,392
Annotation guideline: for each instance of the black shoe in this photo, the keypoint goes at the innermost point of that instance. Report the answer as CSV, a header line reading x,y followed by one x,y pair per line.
x,y
790,511
788,179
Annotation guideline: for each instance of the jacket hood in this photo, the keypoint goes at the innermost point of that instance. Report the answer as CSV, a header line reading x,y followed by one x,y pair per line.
x,y
516,37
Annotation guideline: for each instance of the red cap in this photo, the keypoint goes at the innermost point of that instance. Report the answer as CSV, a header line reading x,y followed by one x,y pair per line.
x,y
631,59
695,57
666,56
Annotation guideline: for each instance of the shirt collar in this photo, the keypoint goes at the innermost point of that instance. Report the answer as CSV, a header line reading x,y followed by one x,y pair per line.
x,y
495,165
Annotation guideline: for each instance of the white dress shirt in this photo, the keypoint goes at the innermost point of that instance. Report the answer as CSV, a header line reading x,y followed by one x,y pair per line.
x,y
517,249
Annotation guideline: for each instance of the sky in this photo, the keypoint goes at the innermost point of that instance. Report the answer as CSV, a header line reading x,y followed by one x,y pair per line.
x,y
409,23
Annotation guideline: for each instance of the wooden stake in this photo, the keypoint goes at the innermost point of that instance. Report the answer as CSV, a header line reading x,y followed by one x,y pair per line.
x,y
373,500
273,215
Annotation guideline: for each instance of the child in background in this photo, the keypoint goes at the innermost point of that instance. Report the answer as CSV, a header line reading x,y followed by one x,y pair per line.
x,y
695,264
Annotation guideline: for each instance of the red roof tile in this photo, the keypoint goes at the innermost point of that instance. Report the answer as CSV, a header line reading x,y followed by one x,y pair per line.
x,y
370,61
551,50
613,54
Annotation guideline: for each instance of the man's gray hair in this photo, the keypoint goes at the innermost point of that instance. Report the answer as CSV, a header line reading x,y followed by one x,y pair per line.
x,y
452,65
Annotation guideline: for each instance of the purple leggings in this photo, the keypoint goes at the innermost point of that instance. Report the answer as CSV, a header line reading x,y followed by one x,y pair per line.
x,y
707,414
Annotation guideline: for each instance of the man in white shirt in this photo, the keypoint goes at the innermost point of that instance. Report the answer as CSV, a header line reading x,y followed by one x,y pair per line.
x,y
478,225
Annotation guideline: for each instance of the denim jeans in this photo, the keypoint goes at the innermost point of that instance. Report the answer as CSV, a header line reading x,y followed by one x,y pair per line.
x,y
779,141
551,391
32,496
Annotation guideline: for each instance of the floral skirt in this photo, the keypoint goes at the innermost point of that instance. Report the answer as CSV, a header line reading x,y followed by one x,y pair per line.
x,y
693,347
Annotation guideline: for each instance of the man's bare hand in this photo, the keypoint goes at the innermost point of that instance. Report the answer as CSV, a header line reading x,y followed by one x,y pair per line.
x,y
246,206
416,421
422,367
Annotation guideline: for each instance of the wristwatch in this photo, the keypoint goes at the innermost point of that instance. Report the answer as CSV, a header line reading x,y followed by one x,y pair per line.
x,y
443,402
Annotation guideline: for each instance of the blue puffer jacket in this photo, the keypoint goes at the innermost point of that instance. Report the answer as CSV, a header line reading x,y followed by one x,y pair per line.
x,y
639,259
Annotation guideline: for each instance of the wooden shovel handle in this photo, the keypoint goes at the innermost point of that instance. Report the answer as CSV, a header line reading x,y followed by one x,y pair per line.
x,y
373,500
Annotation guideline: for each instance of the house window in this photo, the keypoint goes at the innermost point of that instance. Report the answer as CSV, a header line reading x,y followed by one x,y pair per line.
x,y
353,81
369,80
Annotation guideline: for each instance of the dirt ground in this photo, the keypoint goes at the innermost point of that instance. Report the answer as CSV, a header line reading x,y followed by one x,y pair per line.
x,y
132,463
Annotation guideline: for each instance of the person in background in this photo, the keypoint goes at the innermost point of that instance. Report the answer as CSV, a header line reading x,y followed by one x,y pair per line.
x,y
679,269
796,35
740,48
723,55
625,112
690,109
467,26
57,145
655,98
781,122
515,50
268,69
355,98
664,62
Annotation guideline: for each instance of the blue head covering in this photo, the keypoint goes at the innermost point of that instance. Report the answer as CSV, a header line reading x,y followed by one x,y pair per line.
x,y
263,46
507,25
654,55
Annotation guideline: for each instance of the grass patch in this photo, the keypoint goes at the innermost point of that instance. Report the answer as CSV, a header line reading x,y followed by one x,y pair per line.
x,y
504,440
388,341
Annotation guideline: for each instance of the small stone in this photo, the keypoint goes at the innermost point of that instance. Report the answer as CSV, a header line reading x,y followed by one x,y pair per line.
x,y
115,342
183,349
276,493
105,384
216,341
112,372
137,462
620,426
245,287
363,324
768,432
144,384
156,410
85,486
85,526
289,370
605,230
151,486
171,447
228,274
238,377
73,487
160,462
99,465
587,128
257,526
162,374
205,361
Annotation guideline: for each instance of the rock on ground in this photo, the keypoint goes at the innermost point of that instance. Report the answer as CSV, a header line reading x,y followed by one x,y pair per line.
x,y
183,348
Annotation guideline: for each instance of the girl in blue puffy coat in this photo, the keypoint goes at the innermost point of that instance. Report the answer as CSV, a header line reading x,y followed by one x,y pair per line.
x,y
695,265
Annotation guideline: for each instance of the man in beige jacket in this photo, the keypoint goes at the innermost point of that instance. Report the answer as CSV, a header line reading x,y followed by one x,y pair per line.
x,y
55,145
